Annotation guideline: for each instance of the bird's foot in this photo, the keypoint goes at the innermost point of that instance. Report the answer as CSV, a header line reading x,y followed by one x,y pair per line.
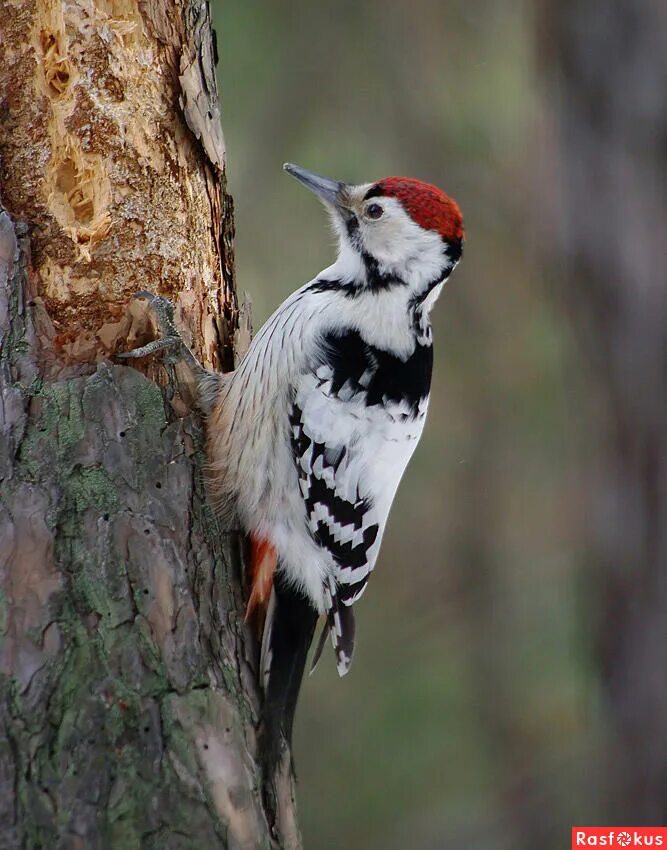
x,y
169,341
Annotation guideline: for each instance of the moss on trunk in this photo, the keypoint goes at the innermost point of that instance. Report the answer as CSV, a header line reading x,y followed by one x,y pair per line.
x,y
128,696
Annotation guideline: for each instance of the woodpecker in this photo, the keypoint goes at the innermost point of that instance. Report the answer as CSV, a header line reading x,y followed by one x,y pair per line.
x,y
309,437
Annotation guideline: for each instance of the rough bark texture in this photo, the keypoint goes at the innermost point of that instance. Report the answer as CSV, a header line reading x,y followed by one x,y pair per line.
x,y
128,702
119,189
608,68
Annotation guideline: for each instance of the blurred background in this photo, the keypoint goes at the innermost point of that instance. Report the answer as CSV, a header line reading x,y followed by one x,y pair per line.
x,y
511,672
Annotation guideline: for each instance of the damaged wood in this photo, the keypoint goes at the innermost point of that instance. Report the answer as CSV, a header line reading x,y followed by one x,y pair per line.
x,y
129,704
116,162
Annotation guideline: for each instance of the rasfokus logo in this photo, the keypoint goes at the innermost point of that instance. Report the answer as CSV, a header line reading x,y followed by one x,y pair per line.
x,y
613,837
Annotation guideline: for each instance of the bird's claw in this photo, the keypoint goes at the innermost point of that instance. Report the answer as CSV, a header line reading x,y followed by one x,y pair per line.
x,y
169,340
162,344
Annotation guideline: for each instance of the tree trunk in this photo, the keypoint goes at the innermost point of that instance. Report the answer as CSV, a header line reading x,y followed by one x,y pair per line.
x,y
128,701
607,64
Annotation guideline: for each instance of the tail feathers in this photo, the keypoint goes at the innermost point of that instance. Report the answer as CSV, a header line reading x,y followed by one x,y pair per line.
x,y
340,621
266,653
288,632
319,648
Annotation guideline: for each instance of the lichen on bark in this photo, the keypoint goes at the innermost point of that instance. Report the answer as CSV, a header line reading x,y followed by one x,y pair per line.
x,y
128,694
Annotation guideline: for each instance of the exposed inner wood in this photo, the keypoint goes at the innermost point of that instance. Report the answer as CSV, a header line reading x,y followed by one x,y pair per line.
x,y
129,704
99,158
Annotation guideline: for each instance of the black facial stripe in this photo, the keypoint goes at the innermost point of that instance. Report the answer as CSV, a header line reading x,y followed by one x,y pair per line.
x,y
377,281
352,226
385,376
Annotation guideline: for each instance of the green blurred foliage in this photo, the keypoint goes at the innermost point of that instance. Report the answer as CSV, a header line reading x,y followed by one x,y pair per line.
x,y
466,718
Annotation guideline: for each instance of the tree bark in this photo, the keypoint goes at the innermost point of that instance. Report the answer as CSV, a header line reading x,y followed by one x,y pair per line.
x,y
128,702
610,133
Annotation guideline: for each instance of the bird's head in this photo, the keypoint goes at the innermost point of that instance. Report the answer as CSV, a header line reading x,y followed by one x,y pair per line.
x,y
396,231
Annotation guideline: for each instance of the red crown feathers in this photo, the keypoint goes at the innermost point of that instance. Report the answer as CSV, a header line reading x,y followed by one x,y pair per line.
x,y
427,206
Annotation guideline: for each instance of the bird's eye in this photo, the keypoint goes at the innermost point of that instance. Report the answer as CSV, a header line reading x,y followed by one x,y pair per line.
x,y
374,211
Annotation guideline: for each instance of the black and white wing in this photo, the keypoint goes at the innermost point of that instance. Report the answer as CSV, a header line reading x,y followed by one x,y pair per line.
x,y
353,431
341,517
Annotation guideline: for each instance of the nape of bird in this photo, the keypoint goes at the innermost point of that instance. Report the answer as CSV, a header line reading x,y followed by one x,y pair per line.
x,y
309,437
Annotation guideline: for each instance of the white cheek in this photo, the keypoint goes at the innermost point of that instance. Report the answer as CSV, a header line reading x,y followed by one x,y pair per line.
x,y
403,248
384,239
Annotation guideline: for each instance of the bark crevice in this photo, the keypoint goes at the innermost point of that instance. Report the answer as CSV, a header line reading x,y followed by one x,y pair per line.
x,y
129,702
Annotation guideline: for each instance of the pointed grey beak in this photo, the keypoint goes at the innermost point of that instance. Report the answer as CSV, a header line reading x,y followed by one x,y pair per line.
x,y
329,191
